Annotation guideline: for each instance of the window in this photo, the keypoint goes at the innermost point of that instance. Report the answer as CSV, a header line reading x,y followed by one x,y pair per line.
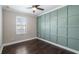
x,y
20,25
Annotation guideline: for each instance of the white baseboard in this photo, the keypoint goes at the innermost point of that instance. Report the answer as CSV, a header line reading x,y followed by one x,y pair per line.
x,y
1,50
69,49
11,43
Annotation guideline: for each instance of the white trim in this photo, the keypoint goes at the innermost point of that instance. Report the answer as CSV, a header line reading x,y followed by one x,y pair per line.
x,y
69,49
52,10
1,50
11,43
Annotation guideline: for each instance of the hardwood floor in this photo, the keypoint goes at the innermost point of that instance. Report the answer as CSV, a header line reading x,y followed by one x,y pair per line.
x,y
34,47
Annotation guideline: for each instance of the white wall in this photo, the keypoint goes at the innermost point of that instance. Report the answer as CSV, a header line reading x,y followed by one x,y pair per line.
x,y
0,28
9,27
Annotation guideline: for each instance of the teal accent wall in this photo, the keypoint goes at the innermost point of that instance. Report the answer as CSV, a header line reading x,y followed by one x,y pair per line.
x,y
53,26
60,26
73,27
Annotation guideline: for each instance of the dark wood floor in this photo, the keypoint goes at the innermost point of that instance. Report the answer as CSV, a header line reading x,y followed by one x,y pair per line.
x,y
34,47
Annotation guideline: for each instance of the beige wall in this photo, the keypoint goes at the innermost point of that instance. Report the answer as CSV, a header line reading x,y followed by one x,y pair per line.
x,y
0,28
9,27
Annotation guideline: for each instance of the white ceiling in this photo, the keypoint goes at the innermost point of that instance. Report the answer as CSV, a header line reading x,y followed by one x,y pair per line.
x,y
23,8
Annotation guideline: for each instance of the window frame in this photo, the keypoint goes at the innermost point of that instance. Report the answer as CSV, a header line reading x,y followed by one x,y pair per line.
x,y
20,25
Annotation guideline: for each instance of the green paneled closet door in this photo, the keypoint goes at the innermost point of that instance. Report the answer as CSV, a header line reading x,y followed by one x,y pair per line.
x,y
42,21
73,27
62,26
44,27
53,26
47,26
39,27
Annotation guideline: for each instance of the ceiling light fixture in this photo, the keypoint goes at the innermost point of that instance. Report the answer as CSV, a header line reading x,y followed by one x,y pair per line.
x,y
34,9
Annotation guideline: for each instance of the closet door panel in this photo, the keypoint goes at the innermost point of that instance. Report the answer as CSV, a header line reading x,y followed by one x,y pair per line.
x,y
47,34
73,10
73,27
62,36
38,27
74,44
73,33
62,26
62,12
53,21
73,21
43,27
62,22
62,40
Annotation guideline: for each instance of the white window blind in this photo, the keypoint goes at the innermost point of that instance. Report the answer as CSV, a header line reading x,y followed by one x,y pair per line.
x,y
20,25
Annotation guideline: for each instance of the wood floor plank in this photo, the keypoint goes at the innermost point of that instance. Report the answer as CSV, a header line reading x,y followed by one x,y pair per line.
x,y
34,47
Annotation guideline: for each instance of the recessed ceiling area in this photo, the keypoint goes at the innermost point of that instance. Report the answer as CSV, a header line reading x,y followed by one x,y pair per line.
x,y
24,8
